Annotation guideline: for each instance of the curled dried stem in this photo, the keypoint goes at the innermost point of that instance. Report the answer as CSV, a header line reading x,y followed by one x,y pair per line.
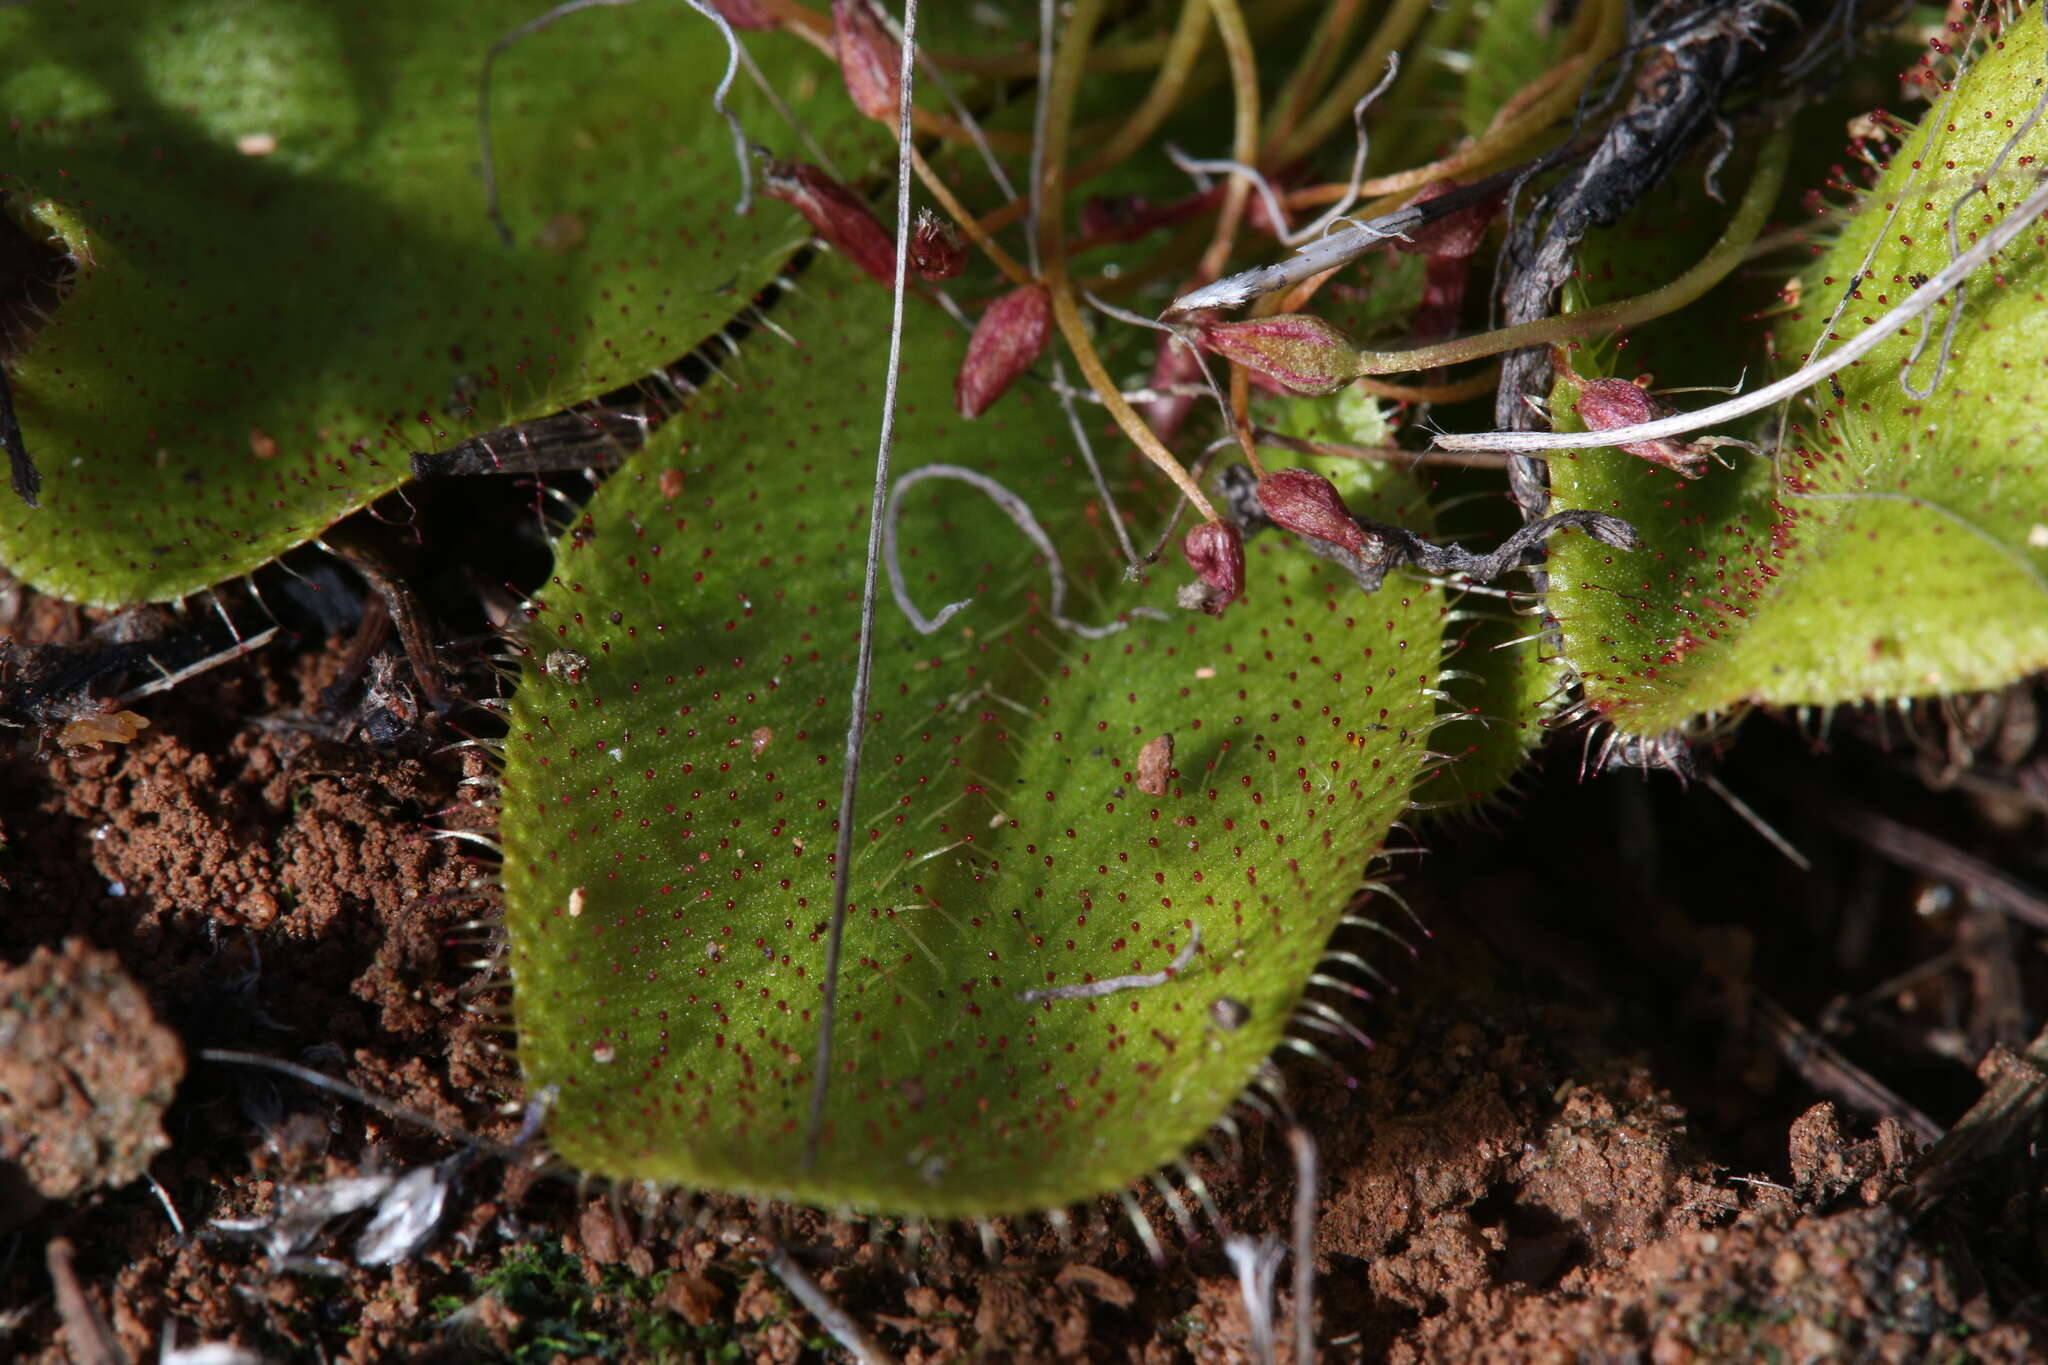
x,y
1019,513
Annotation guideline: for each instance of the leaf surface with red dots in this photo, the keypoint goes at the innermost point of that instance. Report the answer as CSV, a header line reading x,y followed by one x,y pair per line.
x,y
673,772
1900,546
282,277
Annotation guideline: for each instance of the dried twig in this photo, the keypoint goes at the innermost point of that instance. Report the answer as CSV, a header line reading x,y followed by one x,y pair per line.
x,y
1303,1146
2018,1093
1824,1068
1934,857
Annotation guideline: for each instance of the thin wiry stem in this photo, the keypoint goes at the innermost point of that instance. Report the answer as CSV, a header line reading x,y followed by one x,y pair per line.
x,y
1058,98
863,669
1181,51
1043,111
1244,92
1066,394
781,106
1955,312
1059,373
1913,306
1201,170
1394,31
563,11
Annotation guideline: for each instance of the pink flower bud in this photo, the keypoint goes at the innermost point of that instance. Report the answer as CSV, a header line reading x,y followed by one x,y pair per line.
x,y
743,14
1456,236
840,216
870,61
1306,503
1300,351
936,251
1605,404
1005,343
1215,551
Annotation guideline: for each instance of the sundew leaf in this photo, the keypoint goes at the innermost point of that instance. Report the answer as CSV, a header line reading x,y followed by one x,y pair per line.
x,y
673,770
1900,546
1501,685
1516,41
285,279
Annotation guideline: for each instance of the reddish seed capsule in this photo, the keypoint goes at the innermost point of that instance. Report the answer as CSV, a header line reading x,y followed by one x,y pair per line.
x,y
1306,503
1301,351
743,14
1215,551
1174,367
1005,343
936,251
870,61
840,216
1155,765
1605,404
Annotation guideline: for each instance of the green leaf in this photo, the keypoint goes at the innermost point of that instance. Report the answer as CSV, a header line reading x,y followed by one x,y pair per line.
x,y
668,818
1517,41
1901,546
284,278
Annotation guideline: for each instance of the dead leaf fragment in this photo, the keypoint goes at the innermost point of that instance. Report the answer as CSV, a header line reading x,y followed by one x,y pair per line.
x,y
118,727
1155,765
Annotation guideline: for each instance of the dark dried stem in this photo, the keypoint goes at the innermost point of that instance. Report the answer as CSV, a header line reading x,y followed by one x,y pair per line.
x,y
26,478
2018,1092
1389,547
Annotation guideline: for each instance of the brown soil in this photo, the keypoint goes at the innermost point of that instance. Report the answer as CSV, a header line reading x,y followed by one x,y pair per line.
x,y
1580,1135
